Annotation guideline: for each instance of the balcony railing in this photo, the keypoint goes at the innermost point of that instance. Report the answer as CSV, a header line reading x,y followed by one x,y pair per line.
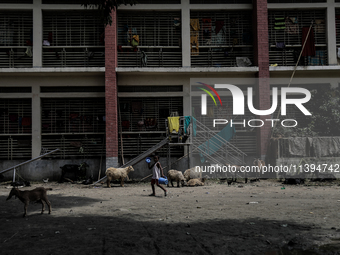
x,y
289,57
73,56
148,56
220,56
15,57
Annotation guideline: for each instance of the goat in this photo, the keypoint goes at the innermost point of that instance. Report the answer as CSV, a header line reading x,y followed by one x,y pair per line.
x,y
113,173
72,168
174,175
36,195
192,173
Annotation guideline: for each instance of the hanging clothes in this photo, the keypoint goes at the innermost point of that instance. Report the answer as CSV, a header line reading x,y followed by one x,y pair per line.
x,y
144,59
318,59
219,38
218,26
309,49
137,107
194,33
279,23
280,45
26,121
135,40
206,28
187,120
177,22
319,26
173,124
292,26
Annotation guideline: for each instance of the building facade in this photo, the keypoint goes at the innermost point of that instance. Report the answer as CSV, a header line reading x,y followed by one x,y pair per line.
x,y
102,94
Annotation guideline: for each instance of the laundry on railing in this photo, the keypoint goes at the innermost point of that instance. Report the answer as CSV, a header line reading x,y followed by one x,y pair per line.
x,y
173,124
309,49
187,121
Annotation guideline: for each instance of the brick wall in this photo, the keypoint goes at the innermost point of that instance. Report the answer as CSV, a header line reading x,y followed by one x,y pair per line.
x,y
111,88
261,57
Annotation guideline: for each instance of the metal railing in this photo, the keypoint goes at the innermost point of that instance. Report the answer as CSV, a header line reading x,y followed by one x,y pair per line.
x,y
203,140
73,56
16,57
227,152
148,56
26,162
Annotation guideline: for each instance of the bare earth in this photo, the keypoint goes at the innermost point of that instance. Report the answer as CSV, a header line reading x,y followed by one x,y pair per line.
x,y
214,219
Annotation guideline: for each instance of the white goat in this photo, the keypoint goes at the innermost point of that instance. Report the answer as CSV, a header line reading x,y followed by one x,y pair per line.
x,y
113,173
174,175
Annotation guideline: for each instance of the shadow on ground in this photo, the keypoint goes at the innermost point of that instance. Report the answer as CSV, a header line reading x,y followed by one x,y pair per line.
x,y
123,234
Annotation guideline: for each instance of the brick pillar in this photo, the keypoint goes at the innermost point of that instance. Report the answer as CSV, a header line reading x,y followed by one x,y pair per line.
x,y
261,56
111,93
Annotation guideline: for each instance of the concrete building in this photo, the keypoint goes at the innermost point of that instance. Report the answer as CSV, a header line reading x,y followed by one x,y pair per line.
x,y
68,82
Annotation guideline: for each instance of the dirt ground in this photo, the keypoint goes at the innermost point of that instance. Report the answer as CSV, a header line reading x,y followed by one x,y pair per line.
x,y
252,218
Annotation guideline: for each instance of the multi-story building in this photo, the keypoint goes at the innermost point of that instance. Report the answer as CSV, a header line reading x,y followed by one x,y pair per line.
x,y
99,92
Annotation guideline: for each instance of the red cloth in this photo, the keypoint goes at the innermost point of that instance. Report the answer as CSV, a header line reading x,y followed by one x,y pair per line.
x,y
26,121
309,49
219,24
206,28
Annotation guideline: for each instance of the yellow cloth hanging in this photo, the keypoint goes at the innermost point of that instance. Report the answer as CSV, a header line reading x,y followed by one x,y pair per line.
x,y
195,24
194,33
173,124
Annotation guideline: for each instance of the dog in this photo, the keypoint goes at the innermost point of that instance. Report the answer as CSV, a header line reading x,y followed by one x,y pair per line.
x,y
36,195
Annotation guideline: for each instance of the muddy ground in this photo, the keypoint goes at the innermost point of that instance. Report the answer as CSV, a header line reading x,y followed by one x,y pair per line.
x,y
252,218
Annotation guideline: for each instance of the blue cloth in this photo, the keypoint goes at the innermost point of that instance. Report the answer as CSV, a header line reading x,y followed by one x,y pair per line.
x,y
214,144
187,121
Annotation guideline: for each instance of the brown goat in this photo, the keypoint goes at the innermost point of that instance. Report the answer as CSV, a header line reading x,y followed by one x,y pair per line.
x,y
36,195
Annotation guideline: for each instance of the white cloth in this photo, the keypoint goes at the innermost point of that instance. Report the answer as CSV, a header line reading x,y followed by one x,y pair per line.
x,y
156,172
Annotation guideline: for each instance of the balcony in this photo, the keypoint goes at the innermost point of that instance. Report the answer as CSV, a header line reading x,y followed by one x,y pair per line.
x,y
73,39
286,32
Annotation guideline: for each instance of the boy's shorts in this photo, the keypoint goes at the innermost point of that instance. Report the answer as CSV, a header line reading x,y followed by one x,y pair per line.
x,y
154,181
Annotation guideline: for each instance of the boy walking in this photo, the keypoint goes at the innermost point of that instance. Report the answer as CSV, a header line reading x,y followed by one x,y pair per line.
x,y
156,173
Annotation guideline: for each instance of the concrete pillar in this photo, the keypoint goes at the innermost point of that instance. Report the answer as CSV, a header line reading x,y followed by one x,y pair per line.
x,y
36,121
261,56
111,93
37,34
331,33
185,21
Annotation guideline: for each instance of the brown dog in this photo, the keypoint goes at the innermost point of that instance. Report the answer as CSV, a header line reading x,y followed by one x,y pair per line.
x,y
36,195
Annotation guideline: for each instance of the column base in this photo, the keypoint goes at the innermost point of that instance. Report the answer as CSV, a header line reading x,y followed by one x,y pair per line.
x,y
112,162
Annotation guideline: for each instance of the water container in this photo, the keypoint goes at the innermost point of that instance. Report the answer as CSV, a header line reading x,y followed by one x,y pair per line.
x,y
148,160
162,180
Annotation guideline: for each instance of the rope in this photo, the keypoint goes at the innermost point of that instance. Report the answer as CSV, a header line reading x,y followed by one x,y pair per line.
x,y
291,78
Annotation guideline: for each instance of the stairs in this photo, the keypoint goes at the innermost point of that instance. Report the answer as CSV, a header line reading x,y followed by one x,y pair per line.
x,y
213,146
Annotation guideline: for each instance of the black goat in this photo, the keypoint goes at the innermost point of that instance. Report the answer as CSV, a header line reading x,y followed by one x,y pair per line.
x,y
78,170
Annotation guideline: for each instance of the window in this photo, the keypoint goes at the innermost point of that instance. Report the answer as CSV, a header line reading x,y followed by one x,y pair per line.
x,y
73,39
218,38
149,39
286,30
